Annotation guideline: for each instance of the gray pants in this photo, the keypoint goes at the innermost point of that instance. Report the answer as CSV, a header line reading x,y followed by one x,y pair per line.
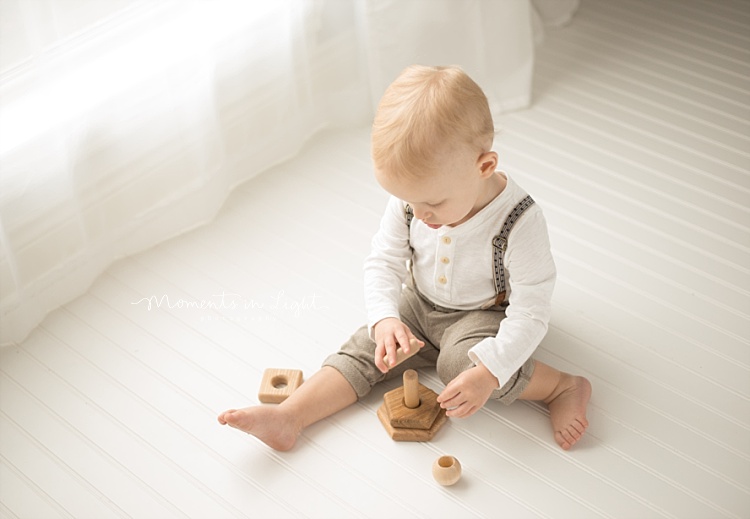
x,y
448,336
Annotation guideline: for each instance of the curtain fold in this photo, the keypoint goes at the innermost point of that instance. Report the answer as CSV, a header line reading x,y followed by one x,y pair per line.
x,y
121,128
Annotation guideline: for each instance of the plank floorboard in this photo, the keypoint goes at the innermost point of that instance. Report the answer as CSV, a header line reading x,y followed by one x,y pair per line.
x,y
637,147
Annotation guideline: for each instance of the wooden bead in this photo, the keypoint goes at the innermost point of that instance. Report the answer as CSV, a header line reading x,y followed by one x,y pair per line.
x,y
446,470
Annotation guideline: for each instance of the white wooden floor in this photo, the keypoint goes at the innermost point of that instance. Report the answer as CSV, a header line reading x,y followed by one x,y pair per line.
x,y
637,148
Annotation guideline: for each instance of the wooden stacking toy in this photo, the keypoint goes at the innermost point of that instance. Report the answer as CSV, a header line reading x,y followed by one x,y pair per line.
x,y
411,413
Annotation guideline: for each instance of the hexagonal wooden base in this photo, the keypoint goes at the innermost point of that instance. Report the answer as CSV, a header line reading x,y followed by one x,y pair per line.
x,y
401,434
416,425
421,417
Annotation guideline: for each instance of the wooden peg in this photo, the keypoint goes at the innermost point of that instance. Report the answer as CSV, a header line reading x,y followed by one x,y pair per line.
x,y
411,389
401,356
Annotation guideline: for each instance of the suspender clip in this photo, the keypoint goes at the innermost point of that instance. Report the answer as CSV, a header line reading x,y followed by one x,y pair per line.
x,y
500,243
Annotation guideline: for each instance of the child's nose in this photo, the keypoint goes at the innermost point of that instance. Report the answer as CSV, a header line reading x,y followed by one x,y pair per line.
x,y
421,214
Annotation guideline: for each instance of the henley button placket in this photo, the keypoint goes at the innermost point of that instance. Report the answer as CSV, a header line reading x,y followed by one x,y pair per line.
x,y
443,265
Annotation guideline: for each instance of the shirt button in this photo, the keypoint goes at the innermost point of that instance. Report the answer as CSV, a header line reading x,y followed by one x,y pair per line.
x,y
447,240
443,280
445,260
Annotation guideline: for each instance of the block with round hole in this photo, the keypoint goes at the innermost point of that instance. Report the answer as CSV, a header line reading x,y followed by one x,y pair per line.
x,y
278,384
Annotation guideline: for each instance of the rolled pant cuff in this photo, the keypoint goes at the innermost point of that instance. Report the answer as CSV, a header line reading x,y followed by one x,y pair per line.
x,y
513,389
356,379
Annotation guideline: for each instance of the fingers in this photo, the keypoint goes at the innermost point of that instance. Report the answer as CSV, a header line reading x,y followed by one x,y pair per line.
x,y
465,410
447,394
458,406
390,350
385,353
404,340
379,354
451,398
391,335
462,398
414,342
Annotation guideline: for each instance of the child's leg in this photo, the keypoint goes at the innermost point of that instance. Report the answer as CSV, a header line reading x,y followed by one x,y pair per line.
x,y
322,395
346,376
566,396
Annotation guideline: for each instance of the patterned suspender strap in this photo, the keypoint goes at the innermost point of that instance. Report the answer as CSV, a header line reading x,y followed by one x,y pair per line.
x,y
409,215
500,244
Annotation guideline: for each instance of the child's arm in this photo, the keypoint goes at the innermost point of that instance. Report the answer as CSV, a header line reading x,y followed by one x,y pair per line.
x,y
531,276
385,267
384,274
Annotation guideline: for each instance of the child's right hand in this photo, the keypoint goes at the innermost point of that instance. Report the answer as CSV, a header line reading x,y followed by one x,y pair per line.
x,y
390,333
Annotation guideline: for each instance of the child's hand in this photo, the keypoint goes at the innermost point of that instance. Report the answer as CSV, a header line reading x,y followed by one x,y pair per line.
x,y
468,392
391,333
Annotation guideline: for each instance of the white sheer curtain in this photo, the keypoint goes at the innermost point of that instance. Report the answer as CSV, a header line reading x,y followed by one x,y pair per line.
x,y
125,122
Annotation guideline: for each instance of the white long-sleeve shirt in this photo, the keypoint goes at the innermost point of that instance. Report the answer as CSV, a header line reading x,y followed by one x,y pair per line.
x,y
453,268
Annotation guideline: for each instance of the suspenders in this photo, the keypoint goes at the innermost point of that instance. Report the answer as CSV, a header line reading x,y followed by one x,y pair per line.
x,y
499,243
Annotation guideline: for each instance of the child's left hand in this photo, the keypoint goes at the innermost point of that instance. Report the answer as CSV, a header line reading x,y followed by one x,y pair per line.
x,y
468,392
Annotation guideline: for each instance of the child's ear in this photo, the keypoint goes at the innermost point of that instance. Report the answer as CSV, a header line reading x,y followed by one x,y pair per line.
x,y
487,163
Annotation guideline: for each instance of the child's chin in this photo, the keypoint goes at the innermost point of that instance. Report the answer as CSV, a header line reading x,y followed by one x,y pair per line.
x,y
433,225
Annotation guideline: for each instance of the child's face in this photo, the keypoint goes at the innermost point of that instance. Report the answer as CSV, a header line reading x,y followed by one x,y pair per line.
x,y
449,194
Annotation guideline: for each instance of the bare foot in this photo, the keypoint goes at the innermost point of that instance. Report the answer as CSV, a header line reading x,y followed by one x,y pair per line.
x,y
567,408
271,425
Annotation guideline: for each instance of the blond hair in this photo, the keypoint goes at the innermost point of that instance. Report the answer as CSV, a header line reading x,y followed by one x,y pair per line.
x,y
425,111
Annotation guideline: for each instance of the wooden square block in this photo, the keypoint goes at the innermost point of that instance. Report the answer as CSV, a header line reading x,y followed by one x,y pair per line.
x,y
278,384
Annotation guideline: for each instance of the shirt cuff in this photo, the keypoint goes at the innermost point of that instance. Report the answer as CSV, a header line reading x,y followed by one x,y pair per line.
x,y
487,352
